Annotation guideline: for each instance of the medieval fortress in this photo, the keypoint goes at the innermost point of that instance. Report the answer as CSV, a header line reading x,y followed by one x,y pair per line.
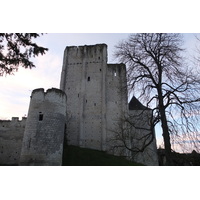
x,y
84,112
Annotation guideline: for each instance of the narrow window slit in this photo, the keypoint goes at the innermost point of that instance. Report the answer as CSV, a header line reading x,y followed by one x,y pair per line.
x,y
29,143
40,116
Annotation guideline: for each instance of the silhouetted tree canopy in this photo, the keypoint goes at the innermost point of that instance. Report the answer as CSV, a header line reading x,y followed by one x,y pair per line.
x,y
16,49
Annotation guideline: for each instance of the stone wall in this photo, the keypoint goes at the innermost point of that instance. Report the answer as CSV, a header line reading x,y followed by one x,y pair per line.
x,y
142,134
96,95
116,102
11,135
83,80
45,127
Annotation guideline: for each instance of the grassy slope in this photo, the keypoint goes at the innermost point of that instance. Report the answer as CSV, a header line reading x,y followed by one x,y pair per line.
x,y
75,156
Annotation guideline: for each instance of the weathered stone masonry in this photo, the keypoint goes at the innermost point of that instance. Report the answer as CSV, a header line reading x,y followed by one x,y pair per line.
x,y
11,135
94,95
45,127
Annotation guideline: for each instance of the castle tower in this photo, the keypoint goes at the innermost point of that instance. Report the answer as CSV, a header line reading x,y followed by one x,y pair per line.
x,y
95,100
45,127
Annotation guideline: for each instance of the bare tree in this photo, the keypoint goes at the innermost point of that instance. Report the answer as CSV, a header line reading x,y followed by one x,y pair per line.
x,y
156,69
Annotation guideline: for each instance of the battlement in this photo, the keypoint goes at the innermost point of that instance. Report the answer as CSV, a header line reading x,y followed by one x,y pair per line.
x,y
89,48
93,53
14,119
40,93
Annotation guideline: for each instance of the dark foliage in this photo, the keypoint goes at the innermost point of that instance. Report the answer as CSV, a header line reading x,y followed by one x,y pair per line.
x,y
16,49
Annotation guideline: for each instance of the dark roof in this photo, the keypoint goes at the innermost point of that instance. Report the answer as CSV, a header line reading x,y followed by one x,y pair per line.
x,y
134,104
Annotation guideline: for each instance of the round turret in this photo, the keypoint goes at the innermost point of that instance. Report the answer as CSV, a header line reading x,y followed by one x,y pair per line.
x,y
45,127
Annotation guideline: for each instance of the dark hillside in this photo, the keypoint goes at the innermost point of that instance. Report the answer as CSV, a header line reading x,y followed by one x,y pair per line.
x,y
76,156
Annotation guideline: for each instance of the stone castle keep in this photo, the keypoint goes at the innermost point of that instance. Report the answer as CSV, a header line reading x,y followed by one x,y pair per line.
x,y
84,112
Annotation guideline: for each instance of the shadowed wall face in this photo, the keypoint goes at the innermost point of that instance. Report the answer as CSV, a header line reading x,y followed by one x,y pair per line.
x,y
142,135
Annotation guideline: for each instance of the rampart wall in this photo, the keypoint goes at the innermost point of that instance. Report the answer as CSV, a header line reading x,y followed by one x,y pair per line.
x,y
11,135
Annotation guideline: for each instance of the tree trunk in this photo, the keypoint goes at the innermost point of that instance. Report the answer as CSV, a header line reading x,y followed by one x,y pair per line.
x,y
165,129
166,138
